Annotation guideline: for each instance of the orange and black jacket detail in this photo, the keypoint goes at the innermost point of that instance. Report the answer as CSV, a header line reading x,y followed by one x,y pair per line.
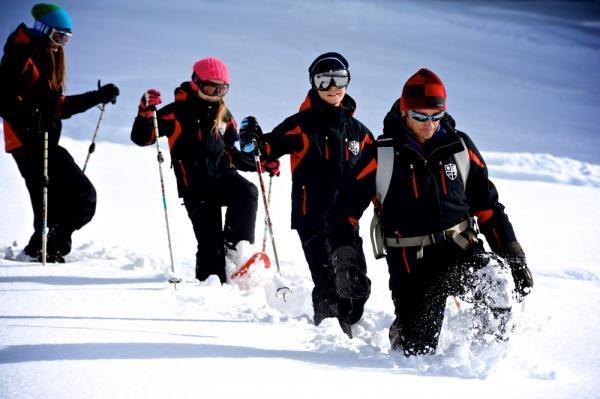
x,y
324,144
426,192
199,153
28,105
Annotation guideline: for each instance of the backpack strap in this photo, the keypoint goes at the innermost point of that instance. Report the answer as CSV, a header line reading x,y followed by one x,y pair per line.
x,y
385,167
383,177
463,163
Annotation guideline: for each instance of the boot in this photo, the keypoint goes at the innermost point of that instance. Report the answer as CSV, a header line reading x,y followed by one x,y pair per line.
x,y
325,304
59,241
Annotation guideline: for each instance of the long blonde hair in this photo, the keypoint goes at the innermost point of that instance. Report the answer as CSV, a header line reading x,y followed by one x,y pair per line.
x,y
56,68
221,114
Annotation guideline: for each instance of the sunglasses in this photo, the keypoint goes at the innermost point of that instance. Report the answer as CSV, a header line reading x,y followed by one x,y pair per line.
x,y
209,88
323,81
419,117
59,37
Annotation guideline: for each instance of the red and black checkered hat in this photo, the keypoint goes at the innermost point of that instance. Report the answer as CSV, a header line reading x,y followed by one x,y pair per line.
x,y
423,90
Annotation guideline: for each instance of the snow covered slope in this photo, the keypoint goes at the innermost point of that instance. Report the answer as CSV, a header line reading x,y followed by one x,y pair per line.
x,y
107,325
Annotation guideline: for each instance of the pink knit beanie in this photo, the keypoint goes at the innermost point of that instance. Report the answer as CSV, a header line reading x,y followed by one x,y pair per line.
x,y
211,69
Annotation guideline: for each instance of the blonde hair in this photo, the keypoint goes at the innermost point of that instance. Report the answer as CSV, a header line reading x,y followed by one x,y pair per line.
x,y
57,68
220,116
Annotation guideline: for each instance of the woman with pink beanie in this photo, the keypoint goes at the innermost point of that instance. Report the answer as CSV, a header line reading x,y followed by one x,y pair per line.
x,y
202,136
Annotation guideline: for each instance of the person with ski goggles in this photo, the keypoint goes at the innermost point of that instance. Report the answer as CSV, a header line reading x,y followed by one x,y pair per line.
x,y
32,103
324,142
203,141
427,181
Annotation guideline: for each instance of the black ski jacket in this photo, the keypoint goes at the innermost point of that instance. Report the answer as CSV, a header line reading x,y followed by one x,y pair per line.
x,y
426,195
324,143
199,154
28,105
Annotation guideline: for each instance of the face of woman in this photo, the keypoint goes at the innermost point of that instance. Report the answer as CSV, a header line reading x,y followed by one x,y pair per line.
x,y
58,38
212,90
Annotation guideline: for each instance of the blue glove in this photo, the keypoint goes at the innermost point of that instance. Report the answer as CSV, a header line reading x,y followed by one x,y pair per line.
x,y
250,131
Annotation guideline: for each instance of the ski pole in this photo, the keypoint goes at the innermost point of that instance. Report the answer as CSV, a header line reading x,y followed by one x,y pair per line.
x,y
45,182
264,243
160,158
92,147
284,290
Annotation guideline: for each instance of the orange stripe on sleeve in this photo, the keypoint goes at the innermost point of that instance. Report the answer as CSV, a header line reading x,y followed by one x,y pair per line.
x,y
476,159
368,169
483,216
298,156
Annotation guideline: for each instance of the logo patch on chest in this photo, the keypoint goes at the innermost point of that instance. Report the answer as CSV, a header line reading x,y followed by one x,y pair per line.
x,y
354,147
451,171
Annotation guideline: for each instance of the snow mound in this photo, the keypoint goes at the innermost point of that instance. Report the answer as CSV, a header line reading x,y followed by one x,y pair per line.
x,y
542,167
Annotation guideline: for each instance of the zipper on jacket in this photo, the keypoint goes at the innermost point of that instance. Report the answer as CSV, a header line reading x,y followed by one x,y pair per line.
x,y
414,181
346,150
443,179
326,147
404,257
304,201
184,175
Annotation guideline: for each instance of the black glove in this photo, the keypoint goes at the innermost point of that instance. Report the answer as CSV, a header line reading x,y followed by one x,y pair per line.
x,y
351,281
107,94
515,257
250,131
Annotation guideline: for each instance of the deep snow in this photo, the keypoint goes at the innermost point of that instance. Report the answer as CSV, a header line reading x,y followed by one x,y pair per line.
x,y
107,325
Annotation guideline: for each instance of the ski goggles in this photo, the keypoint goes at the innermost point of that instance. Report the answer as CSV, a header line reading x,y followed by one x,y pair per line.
x,y
59,37
209,88
323,81
420,117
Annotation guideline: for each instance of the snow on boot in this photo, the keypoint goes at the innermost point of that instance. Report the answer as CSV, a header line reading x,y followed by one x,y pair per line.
x,y
26,257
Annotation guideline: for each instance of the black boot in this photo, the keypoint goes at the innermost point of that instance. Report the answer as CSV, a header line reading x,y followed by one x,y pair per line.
x,y
325,304
59,241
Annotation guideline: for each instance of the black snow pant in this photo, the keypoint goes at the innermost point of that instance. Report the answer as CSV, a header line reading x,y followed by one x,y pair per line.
x,y
420,290
326,301
71,198
240,196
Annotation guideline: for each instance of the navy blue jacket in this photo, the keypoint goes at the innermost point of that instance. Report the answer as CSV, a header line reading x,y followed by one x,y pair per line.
x,y
324,142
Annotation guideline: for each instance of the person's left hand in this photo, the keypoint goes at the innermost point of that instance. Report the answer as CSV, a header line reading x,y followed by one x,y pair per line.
x,y
272,167
515,257
107,94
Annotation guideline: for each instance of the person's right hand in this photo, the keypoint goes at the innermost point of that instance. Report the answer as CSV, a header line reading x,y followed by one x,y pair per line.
x,y
148,103
250,131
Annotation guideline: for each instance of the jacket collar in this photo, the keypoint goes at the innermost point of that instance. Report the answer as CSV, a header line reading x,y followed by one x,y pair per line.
x,y
314,103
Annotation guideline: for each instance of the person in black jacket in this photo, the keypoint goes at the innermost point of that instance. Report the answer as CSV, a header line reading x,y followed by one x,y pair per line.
x,y
202,139
32,102
324,141
428,180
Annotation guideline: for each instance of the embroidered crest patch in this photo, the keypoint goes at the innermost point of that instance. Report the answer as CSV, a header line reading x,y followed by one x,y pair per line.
x,y
222,128
451,171
354,147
